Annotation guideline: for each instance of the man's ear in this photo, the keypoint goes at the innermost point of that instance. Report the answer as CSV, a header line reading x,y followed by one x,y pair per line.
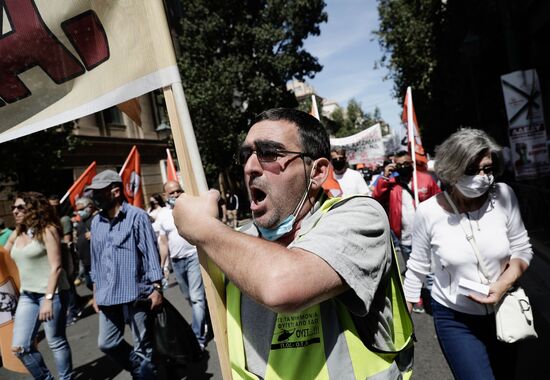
x,y
319,173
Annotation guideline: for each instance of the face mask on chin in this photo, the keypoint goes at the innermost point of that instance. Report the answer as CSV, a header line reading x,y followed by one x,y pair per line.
x,y
474,186
285,226
171,202
280,230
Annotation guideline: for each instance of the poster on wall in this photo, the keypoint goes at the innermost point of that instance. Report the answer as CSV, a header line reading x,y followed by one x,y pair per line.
x,y
365,147
526,127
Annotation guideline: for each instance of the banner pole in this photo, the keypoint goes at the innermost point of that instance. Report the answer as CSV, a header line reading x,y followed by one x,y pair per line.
x,y
192,172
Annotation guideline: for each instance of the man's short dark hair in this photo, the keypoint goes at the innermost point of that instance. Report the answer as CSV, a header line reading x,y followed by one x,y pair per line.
x,y
401,153
313,136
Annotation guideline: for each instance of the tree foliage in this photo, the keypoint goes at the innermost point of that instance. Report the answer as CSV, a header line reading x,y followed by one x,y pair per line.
x,y
236,58
353,119
407,34
33,162
452,54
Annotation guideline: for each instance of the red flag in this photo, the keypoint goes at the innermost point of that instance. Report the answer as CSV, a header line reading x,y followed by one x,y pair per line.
x,y
331,186
131,108
77,189
413,132
171,174
131,178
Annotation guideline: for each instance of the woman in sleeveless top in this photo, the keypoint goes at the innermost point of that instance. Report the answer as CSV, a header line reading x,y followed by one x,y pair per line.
x,y
36,249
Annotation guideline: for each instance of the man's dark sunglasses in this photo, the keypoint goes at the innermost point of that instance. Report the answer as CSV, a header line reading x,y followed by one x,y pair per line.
x,y
474,170
264,154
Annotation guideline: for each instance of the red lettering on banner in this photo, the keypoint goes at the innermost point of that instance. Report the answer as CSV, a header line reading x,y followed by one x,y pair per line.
x,y
88,38
30,43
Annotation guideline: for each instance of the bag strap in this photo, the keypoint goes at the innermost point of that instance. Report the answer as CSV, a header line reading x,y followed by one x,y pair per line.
x,y
470,237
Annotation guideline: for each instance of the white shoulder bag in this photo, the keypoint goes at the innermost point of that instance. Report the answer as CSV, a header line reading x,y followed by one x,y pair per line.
x,y
513,314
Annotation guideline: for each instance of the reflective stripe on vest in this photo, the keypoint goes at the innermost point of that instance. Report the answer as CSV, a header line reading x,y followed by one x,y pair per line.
x,y
322,342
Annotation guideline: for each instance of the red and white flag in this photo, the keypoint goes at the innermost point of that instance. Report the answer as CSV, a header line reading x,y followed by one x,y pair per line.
x,y
131,178
77,189
171,174
413,133
330,186
416,149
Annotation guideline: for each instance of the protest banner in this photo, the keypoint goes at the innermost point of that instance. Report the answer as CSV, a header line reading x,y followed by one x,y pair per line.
x,y
61,60
365,147
526,127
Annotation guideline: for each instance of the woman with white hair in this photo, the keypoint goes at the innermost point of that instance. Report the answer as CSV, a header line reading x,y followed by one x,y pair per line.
x,y
468,162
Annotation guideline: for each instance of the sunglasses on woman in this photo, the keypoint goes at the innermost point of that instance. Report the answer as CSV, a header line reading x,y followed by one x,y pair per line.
x,y
473,170
18,207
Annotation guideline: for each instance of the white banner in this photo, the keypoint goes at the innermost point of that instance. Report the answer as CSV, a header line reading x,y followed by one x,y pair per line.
x,y
527,132
61,60
364,147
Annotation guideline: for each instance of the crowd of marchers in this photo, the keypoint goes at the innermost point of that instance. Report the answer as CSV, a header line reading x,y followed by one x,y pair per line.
x,y
311,289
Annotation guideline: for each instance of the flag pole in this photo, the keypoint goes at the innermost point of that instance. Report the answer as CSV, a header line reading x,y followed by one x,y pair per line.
x,y
412,141
163,175
127,160
314,109
191,169
92,165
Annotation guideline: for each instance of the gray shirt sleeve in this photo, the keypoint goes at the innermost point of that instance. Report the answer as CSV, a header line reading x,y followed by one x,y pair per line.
x,y
353,238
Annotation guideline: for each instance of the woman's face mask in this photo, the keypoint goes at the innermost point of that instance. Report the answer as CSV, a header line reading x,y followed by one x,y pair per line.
x,y
474,186
84,214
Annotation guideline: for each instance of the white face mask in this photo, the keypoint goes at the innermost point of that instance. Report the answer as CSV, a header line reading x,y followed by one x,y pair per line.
x,y
473,186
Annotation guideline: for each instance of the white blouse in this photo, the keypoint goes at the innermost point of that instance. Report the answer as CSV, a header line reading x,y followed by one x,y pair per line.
x,y
440,245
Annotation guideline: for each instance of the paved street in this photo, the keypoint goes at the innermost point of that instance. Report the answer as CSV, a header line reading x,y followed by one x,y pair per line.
x,y
90,363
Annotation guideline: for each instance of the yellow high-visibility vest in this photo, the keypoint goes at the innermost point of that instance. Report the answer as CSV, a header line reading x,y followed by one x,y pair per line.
x,y
308,344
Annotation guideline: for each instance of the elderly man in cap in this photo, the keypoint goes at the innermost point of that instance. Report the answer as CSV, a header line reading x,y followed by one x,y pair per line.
x,y
126,275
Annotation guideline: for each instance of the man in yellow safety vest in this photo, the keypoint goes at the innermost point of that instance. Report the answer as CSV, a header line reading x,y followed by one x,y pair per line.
x,y
313,291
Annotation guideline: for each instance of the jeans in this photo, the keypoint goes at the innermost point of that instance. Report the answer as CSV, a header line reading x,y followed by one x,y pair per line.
x,y
26,327
188,275
138,359
73,309
470,345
